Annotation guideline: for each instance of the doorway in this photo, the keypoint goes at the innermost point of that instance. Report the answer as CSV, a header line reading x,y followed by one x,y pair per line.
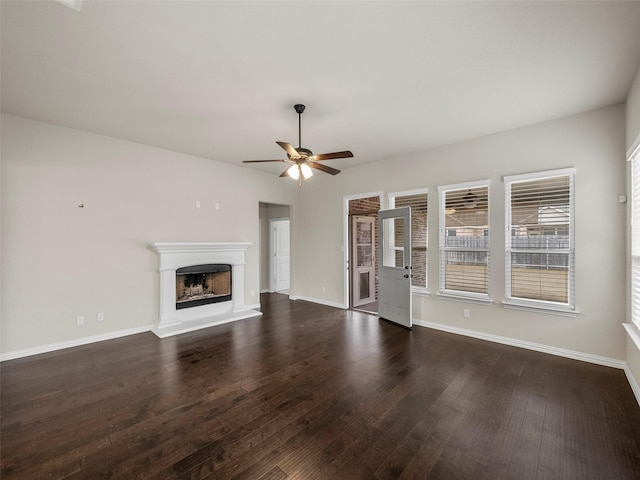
x,y
275,248
363,269
362,266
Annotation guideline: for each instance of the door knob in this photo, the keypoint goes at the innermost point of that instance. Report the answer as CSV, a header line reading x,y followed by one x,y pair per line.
x,y
406,275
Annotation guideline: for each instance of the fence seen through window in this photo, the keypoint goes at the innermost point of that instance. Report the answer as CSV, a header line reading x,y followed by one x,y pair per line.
x,y
464,240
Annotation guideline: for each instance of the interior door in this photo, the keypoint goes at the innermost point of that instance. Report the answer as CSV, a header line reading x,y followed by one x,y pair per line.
x,y
364,266
394,257
281,255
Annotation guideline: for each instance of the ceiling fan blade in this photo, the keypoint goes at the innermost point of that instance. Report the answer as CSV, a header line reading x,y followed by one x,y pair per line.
x,y
292,152
334,155
259,161
285,174
323,168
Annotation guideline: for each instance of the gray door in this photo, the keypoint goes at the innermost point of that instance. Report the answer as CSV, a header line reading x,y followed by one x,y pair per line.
x,y
394,247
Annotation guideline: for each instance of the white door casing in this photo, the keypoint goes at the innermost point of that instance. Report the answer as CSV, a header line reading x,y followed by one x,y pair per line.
x,y
394,266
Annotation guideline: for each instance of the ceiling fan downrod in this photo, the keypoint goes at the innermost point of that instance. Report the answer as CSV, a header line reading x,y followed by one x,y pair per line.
x,y
299,109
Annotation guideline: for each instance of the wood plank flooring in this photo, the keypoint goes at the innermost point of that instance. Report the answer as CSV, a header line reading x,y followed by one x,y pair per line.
x,y
313,392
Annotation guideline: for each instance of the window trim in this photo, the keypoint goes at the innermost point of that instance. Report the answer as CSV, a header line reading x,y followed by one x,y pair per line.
x,y
446,294
633,157
541,306
391,197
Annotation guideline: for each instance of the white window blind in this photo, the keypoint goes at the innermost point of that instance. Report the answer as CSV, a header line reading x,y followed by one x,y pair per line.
x,y
540,256
635,237
417,200
464,240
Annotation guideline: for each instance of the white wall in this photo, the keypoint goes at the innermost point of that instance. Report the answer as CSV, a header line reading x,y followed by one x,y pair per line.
x,y
633,112
60,261
593,142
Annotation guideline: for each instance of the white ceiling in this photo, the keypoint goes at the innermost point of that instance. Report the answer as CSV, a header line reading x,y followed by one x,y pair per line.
x,y
383,79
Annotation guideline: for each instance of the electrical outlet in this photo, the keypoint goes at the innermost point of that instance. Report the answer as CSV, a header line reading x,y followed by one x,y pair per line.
x,y
100,317
466,313
324,289
80,320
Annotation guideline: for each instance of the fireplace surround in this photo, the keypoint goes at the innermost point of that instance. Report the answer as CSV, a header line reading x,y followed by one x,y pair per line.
x,y
196,259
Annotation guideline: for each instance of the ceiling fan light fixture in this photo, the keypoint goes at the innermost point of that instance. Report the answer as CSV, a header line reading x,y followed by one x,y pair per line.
x,y
294,171
298,171
306,171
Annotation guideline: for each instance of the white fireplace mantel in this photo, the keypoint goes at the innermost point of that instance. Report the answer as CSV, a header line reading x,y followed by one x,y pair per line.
x,y
175,255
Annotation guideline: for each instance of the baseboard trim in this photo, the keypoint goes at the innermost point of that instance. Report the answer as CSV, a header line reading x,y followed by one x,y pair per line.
x,y
538,347
52,347
632,382
316,300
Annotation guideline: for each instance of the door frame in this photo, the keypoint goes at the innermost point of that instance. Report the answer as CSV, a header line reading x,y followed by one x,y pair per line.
x,y
273,251
346,238
356,301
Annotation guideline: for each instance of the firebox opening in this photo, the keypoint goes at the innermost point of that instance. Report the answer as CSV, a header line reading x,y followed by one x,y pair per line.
x,y
202,284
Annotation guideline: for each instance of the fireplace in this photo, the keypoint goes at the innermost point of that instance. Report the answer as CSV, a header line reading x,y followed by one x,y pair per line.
x,y
201,284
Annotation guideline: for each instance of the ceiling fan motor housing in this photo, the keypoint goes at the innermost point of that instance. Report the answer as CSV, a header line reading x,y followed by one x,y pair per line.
x,y
304,152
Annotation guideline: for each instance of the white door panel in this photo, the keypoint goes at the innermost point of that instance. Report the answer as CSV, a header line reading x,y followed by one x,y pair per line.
x,y
281,266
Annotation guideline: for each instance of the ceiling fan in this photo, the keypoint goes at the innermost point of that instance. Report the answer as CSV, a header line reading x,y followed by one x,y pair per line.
x,y
303,159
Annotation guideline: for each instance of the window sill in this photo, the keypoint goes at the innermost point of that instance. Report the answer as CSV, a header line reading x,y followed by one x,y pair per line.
x,y
464,298
633,333
540,309
422,292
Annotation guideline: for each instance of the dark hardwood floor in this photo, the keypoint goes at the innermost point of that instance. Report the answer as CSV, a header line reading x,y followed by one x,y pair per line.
x,y
313,392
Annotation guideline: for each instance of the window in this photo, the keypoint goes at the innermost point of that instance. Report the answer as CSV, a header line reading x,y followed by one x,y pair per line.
x,y
539,243
464,241
635,236
417,200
